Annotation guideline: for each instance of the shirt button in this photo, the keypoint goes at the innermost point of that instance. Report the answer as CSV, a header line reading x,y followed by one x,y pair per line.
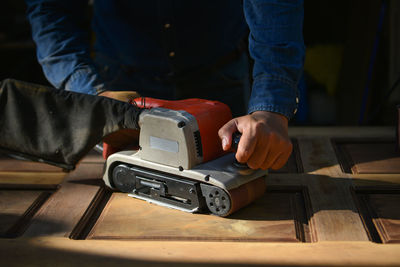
x,y
171,54
167,25
295,111
297,100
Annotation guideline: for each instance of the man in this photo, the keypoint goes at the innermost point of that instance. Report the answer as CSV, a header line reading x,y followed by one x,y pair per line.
x,y
173,49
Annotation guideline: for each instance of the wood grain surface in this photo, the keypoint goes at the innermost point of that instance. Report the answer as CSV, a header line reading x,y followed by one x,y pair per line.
x,y
273,217
18,173
379,157
313,214
381,212
334,214
11,164
67,206
16,209
50,251
31,179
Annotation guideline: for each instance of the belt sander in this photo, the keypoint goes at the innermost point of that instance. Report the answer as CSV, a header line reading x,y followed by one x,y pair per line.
x,y
180,162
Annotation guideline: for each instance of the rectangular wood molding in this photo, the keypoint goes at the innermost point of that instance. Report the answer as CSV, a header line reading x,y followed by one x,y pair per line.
x,y
380,211
280,215
17,207
368,156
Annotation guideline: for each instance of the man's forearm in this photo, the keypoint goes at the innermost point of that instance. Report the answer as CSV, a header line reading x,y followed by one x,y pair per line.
x,y
62,45
277,47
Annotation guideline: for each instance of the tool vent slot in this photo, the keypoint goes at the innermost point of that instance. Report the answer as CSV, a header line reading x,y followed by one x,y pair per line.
x,y
197,140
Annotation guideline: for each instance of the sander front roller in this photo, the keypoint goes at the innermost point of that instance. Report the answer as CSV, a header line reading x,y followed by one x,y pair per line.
x,y
180,163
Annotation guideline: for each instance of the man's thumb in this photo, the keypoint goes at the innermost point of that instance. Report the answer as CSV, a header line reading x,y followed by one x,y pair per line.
x,y
225,133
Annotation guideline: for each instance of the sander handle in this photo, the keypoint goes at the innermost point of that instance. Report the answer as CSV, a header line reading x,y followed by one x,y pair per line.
x,y
235,140
235,143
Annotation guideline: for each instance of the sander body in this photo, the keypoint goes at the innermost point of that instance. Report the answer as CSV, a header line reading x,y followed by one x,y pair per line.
x,y
180,162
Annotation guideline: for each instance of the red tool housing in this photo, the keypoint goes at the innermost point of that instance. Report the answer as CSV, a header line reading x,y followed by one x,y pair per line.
x,y
210,117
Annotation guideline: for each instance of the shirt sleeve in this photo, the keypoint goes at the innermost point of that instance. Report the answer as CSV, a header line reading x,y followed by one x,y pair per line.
x,y
63,48
277,47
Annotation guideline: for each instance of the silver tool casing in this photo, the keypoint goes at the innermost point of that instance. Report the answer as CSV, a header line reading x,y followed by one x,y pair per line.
x,y
168,137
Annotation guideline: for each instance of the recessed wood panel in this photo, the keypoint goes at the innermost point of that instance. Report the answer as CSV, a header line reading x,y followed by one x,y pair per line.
x,y
66,207
368,157
381,213
16,209
277,216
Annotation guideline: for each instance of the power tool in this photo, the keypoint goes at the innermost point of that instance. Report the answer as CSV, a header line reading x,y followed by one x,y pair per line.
x,y
180,162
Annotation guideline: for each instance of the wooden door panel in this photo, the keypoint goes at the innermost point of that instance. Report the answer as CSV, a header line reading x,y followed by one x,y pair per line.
x,y
369,156
68,206
39,180
9,164
277,216
310,200
17,208
380,210
19,173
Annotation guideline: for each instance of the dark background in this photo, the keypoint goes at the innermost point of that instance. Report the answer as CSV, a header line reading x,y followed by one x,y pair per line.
x,y
341,36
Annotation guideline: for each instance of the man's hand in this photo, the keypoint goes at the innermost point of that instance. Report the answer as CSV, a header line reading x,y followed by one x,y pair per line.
x,y
264,143
123,96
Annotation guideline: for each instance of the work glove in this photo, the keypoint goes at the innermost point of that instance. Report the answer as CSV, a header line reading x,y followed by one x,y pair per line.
x,y
56,126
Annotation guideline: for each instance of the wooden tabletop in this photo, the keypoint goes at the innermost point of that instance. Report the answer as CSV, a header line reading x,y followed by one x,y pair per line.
x,y
336,202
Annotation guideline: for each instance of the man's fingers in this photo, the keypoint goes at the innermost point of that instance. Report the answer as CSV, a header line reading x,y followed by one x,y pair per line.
x,y
260,154
281,158
246,146
279,162
225,133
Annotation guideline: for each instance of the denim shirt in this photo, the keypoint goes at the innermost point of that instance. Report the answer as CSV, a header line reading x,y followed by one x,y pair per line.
x,y
171,36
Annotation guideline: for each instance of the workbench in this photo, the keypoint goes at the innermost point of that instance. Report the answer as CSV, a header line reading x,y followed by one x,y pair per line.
x,y
336,202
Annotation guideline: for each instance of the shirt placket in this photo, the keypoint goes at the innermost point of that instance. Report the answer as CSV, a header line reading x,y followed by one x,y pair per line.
x,y
168,33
